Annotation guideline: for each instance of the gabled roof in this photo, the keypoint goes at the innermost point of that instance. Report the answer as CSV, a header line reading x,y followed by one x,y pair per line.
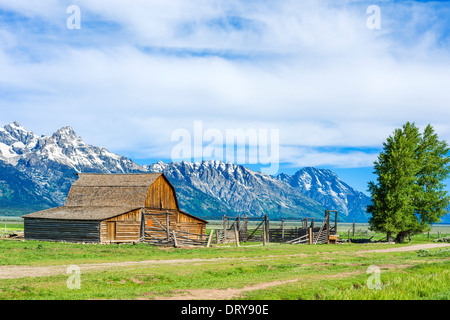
x,y
116,179
80,213
111,190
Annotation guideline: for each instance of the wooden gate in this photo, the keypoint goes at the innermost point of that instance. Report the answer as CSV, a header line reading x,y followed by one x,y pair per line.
x,y
243,229
161,229
157,227
260,232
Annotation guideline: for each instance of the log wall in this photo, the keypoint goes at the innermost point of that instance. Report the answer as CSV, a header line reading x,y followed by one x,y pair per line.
x,y
62,230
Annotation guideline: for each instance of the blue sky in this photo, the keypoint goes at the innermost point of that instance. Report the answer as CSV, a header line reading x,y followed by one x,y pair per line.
x,y
137,71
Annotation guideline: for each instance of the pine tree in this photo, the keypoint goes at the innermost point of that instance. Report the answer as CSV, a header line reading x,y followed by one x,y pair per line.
x,y
409,194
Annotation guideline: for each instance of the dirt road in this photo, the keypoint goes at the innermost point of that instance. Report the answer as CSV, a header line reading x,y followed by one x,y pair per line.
x,y
409,248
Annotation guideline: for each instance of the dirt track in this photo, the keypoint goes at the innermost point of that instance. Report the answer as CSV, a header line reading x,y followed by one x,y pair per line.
x,y
11,272
220,294
409,248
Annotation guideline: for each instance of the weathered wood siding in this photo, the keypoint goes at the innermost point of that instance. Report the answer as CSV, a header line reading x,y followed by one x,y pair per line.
x,y
190,224
161,195
62,230
156,220
123,228
177,221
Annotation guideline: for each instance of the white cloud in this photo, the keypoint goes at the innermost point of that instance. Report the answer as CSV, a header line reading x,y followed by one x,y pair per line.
x,y
310,69
310,157
48,9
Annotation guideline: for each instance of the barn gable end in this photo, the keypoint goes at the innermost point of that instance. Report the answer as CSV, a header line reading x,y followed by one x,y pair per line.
x,y
161,195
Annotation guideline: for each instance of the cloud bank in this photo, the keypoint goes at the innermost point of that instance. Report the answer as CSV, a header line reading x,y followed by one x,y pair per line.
x,y
136,71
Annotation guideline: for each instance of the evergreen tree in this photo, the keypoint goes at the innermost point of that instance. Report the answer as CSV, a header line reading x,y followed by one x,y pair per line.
x,y
433,200
409,193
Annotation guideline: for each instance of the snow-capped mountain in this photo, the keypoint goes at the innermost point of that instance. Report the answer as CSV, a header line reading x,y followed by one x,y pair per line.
x,y
209,188
240,189
325,187
17,145
51,161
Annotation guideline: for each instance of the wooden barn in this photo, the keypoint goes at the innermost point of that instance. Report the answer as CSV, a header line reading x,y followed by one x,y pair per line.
x,y
108,208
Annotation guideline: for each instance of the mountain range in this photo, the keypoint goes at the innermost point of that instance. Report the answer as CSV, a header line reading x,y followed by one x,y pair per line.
x,y
36,173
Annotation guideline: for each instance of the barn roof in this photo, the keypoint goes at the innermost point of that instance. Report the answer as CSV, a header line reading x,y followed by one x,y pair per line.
x,y
80,213
116,180
113,190
97,196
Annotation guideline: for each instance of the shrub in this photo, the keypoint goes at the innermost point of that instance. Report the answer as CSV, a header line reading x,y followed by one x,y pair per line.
x,y
443,239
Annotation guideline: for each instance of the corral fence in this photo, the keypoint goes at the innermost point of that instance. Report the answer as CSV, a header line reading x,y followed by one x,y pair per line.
x,y
245,229
240,229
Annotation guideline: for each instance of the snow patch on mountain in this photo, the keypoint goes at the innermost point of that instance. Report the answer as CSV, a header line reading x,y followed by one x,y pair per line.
x,y
324,186
204,188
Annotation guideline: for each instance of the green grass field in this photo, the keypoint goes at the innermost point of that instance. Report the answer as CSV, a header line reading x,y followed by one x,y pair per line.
x,y
38,270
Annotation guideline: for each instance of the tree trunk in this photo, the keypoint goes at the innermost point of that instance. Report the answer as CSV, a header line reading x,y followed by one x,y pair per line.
x,y
388,237
401,237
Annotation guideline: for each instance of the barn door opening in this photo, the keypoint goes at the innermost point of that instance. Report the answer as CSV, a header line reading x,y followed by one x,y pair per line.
x,y
111,230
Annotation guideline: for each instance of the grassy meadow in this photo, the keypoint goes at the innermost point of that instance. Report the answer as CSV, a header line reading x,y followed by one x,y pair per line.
x,y
38,270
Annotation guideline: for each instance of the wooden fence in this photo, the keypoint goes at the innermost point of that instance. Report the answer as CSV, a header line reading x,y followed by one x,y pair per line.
x,y
159,232
239,230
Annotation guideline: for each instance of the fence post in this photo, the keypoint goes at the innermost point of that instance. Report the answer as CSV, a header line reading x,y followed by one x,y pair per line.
x,y
238,222
245,228
335,222
310,236
224,227
236,235
264,234
282,230
354,227
328,226
209,238
167,225
174,239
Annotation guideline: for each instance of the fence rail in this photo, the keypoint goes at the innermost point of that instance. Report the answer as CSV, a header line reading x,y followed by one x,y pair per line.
x,y
305,233
237,230
161,232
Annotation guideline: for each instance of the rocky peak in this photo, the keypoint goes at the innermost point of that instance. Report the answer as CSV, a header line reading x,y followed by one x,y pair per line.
x,y
15,132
